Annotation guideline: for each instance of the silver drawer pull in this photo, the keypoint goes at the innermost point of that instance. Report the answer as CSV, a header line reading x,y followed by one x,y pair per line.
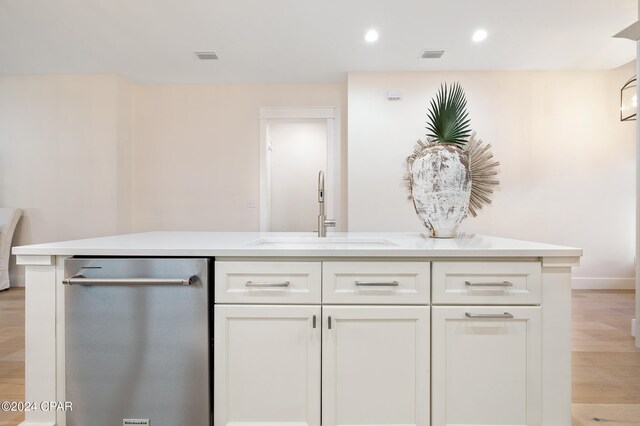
x,y
268,284
80,280
377,283
495,284
506,315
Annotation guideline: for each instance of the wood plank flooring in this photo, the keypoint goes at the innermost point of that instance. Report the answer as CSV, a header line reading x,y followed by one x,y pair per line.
x,y
11,352
606,364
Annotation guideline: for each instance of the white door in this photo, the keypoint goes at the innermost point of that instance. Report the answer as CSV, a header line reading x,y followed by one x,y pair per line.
x,y
486,365
298,151
267,365
375,365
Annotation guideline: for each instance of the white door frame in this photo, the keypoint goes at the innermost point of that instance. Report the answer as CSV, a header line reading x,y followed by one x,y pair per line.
x,y
267,114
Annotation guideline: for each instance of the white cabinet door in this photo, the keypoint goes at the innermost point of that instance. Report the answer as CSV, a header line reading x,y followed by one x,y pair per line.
x,y
375,365
267,365
486,369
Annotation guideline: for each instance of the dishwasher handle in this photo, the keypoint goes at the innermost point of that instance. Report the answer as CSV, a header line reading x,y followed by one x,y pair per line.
x,y
81,280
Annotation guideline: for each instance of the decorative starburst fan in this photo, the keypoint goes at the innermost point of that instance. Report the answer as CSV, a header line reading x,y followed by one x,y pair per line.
x,y
484,172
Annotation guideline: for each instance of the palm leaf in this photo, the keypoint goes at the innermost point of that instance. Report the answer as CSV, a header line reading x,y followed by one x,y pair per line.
x,y
447,118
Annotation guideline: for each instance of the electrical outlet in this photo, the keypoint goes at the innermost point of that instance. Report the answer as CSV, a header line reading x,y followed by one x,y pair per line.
x,y
251,203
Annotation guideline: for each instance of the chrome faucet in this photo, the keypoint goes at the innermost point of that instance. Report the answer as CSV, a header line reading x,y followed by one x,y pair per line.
x,y
323,222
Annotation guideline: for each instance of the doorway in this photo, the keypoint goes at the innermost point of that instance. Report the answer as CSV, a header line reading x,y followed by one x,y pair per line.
x,y
296,143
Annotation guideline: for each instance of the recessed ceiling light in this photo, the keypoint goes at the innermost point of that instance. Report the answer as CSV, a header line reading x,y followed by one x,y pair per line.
x,y
371,36
479,35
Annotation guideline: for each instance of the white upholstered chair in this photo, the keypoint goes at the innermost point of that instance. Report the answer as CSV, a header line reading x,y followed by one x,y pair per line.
x,y
8,220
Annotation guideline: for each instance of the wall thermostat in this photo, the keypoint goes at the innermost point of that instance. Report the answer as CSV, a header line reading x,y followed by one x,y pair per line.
x,y
394,95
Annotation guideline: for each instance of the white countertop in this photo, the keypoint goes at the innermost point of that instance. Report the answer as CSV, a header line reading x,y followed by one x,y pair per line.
x,y
272,244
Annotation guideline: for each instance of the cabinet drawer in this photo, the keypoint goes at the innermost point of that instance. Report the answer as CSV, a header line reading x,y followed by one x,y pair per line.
x,y
487,283
267,282
365,282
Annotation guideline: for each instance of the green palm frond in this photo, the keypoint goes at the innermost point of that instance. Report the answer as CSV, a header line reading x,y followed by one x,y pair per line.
x,y
447,118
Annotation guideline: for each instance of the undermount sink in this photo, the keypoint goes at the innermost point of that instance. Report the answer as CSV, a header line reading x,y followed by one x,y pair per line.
x,y
324,242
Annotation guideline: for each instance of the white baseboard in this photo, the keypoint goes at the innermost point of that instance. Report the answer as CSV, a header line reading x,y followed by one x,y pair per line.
x,y
25,423
603,283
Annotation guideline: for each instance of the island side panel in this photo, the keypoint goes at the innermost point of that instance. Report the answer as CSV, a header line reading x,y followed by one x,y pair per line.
x,y
556,340
61,416
40,336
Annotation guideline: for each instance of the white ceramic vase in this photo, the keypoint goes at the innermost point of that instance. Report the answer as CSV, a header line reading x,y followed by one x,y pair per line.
x,y
440,187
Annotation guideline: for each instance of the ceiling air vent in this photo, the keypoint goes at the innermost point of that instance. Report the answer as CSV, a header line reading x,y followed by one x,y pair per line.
x,y
432,54
207,55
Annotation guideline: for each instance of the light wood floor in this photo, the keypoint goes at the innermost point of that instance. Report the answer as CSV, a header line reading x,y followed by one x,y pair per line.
x,y
606,364
11,352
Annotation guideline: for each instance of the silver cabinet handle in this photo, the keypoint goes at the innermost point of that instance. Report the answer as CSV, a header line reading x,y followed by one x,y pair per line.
x,y
377,283
81,280
329,322
506,315
490,284
314,321
268,284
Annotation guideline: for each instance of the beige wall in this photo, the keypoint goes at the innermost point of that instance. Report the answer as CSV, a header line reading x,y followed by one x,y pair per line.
x,y
567,162
124,152
63,156
95,155
196,153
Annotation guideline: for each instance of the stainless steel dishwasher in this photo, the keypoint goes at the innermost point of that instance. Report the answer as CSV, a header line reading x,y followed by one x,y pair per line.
x,y
137,341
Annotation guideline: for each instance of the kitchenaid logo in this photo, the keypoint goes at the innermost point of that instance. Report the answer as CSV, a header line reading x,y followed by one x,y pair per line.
x,y
128,422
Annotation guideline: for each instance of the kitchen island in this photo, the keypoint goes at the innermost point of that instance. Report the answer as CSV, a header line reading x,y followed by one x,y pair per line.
x,y
390,328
